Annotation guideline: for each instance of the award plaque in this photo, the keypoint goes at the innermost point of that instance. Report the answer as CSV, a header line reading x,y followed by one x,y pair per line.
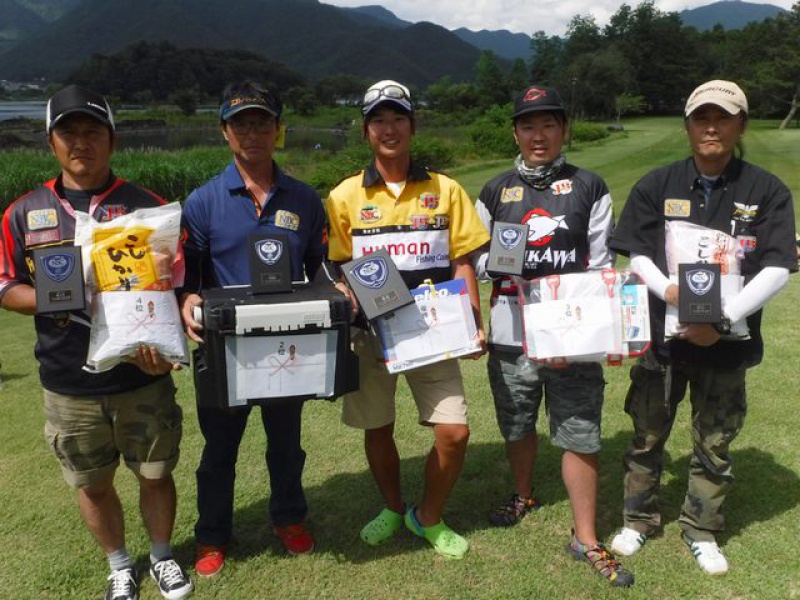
x,y
377,284
507,250
270,263
59,279
699,293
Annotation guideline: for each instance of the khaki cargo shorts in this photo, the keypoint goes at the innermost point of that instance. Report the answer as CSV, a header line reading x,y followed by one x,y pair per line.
x,y
89,433
438,390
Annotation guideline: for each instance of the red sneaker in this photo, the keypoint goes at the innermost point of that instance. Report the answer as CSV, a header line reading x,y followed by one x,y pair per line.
x,y
209,560
297,539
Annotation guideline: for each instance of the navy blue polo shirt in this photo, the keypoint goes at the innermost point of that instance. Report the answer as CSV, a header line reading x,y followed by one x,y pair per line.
x,y
219,216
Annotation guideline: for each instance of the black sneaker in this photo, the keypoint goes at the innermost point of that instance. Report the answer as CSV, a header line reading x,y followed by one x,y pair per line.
x,y
512,512
123,584
172,580
602,561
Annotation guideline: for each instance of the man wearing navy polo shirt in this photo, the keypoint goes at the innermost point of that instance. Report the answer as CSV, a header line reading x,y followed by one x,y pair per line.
x,y
250,195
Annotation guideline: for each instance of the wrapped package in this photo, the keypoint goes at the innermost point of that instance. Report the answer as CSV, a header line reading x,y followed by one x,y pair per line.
x,y
687,243
439,325
131,265
595,316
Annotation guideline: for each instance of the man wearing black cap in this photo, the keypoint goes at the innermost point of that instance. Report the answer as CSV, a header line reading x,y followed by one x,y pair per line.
x,y
569,215
715,189
92,419
250,195
428,224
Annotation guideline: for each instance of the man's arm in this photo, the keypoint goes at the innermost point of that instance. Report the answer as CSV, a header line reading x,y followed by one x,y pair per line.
x,y
20,298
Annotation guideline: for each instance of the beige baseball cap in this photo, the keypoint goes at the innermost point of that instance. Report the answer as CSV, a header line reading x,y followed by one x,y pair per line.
x,y
725,94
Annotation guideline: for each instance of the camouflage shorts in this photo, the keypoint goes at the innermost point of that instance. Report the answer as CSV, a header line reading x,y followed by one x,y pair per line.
x,y
573,396
89,433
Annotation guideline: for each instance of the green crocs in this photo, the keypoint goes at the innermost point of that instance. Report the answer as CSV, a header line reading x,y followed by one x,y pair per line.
x,y
382,528
444,540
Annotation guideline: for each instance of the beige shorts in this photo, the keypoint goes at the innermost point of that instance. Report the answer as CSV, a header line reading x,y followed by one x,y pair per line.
x,y
438,390
89,433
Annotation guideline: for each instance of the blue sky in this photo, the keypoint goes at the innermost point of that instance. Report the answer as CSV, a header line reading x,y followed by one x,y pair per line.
x,y
550,16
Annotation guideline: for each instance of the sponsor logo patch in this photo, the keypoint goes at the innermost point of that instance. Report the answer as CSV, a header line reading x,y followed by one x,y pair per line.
x,y
429,201
542,226
43,218
509,237
422,222
287,220
513,194
677,208
745,213
747,243
57,267
39,238
562,187
370,214
372,273
109,212
269,251
700,281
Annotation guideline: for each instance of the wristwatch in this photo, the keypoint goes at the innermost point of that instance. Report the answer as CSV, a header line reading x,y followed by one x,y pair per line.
x,y
724,326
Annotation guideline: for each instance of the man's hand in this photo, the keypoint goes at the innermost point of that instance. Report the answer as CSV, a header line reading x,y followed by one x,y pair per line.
x,y
481,337
345,289
193,329
699,334
150,361
671,294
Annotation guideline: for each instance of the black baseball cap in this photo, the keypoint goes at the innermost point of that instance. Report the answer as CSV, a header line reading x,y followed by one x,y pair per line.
x,y
77,99
241,97
536,98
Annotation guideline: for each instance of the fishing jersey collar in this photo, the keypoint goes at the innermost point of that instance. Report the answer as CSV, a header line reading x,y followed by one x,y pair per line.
x,y
373,177
731,174
234,182
57,187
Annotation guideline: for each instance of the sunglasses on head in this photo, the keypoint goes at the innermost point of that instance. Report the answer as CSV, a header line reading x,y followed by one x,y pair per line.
x,y
391,91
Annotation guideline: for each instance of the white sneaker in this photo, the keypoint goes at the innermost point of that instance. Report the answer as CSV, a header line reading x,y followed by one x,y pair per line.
x,y
628,541
709,557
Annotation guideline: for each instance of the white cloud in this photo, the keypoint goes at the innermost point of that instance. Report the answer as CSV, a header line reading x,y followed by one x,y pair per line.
x,y
524,16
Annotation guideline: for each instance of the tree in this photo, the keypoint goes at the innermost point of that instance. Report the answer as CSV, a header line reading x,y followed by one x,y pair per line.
x,y
625,103
548,57
186,100
517,76
490,81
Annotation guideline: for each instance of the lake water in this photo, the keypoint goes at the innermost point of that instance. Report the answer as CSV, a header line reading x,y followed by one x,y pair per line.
x,y
178,137
30,110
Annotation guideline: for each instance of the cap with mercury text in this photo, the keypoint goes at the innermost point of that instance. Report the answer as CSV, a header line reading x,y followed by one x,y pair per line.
x,y
725,94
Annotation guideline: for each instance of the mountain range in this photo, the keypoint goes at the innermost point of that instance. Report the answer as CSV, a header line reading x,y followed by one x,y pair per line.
x,y
50,38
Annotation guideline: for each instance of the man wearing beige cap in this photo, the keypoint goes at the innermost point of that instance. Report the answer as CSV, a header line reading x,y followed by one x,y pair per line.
x,y
715,189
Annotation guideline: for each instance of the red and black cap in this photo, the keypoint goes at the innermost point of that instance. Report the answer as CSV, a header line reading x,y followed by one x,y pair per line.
x,y
536,98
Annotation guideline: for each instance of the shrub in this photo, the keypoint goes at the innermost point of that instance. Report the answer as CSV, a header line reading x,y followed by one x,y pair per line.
x,y
583,131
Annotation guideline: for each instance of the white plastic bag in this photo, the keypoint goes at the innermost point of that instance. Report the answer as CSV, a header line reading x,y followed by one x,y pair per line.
x,y
131,265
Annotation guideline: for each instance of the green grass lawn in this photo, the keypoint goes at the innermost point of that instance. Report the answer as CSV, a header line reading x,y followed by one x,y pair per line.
x,y
48,553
